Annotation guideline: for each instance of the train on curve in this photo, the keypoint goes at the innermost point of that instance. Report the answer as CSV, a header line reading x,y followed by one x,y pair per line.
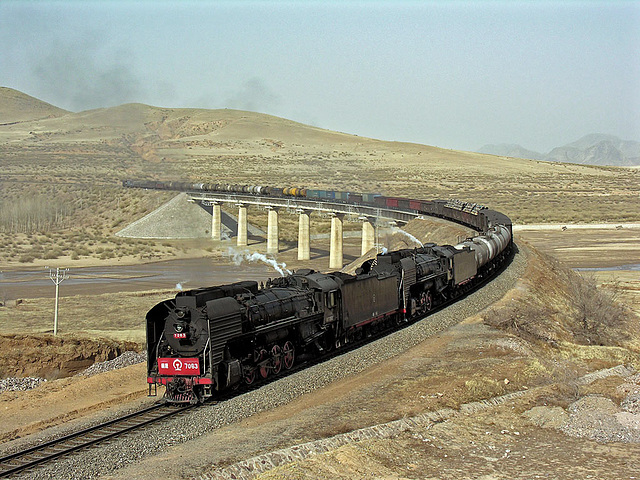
x,y
208,340
466,213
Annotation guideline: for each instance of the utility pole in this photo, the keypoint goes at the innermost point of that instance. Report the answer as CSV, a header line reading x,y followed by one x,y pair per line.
x,y
57,279
3,300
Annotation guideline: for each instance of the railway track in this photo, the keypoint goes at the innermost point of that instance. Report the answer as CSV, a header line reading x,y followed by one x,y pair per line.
x,y
32,457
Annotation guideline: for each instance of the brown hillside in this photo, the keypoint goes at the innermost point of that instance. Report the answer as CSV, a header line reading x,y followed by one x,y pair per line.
x,y
16,106
65,171
562,311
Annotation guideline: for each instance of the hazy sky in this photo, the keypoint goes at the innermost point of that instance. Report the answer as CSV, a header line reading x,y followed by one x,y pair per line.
x,y
451,74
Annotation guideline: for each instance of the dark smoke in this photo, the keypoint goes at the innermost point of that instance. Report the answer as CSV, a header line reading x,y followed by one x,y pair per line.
x,y
254,96
82,76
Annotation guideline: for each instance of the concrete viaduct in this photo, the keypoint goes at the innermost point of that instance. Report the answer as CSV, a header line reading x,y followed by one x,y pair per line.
x,y
303,207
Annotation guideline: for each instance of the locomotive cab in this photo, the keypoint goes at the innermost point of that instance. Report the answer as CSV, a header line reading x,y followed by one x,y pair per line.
x,y
327,294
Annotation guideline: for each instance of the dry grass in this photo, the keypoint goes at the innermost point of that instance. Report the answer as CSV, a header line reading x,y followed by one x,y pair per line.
x,y
76,245
565,314
63,175
119,316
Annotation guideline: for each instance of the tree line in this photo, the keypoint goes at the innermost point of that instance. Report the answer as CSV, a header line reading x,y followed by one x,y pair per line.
x,y
33,214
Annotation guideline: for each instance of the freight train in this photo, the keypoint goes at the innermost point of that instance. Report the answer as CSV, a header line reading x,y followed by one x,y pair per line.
x,y
208,340
473,215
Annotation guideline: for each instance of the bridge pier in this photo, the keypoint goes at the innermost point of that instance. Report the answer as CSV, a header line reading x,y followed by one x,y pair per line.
x,y
368,235
216,218
272,231
335,251
242,226
304,225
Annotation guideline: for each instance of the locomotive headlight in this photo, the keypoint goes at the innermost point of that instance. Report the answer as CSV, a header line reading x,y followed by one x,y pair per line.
x,y
180,313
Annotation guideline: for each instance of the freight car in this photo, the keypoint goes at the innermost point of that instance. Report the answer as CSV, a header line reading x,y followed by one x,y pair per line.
x,y
472,215
208,340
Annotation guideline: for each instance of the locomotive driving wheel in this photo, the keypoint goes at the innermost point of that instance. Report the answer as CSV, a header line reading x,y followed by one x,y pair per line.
x,y
250,376
426,301
276,359
288,355
264,365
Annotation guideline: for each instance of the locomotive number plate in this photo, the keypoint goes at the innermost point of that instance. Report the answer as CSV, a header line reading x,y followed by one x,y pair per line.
x,y
178,366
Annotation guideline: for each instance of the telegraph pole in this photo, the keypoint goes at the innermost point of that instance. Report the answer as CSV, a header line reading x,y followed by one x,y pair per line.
x,y
57,279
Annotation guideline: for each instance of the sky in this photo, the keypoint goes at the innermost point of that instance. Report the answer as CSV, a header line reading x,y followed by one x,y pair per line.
x,y
453,74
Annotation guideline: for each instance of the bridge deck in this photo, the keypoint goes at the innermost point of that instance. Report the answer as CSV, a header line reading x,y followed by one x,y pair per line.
x,y
295,203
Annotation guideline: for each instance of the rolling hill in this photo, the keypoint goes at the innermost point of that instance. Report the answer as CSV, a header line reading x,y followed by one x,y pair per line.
x,y
16,107
78,160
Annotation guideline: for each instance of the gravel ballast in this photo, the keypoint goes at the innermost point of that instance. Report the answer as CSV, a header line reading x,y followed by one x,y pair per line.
x,y
131,449
13,384
121,361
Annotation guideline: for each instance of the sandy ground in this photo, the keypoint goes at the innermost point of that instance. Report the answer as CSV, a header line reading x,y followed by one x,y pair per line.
x,y
501,442
497,444
576,226
587,247
60,401
608,255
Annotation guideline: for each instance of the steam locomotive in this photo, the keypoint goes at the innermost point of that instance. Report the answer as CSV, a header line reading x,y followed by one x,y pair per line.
x,y
208,340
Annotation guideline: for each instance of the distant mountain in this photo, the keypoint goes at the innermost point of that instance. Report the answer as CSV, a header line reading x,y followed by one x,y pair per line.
x,y
511,150
17,107
593,149
598,149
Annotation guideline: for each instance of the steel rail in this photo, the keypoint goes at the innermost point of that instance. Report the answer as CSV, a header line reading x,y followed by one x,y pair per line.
x,y
43,453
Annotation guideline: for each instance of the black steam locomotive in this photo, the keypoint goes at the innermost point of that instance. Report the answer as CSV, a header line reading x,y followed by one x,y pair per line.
x,y
208,340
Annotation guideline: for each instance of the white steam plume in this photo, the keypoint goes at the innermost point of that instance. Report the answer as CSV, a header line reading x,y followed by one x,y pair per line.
x,y
239,257
411,237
